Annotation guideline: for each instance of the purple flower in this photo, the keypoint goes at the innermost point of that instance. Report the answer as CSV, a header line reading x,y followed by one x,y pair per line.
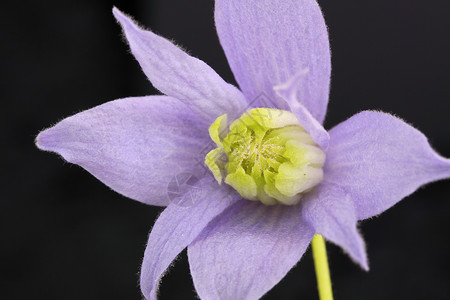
x,y
240,249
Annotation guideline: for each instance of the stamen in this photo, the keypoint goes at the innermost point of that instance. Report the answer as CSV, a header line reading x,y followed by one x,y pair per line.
x,y
270,157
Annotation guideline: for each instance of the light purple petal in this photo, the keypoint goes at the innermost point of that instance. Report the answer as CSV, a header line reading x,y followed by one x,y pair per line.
x,y
379,159
331,212
177,74
178,226
267,42
290,91
135,145
247,250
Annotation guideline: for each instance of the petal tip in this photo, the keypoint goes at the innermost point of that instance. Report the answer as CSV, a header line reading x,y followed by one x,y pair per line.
x,y
364,264
49,140
366,268
116,12
121,17
360,257
41,140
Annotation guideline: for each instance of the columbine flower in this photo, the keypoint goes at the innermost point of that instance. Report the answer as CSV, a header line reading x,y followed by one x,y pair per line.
x,y
302,179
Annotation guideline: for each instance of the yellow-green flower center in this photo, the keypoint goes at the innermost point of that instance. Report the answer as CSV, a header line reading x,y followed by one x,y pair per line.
x,y
265,155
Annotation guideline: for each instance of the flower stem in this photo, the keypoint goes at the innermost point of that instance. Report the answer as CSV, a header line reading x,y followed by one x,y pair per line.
x,y
321,264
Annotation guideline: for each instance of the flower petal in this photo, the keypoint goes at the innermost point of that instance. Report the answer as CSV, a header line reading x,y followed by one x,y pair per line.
x,y
176,74
267,42
178,226
379,159
247,250
135,145
331,212
289,92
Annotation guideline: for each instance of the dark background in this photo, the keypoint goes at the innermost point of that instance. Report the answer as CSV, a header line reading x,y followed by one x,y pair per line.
x,y
64,235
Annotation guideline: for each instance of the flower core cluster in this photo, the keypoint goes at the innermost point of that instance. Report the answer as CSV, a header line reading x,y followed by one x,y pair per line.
x,y
265,155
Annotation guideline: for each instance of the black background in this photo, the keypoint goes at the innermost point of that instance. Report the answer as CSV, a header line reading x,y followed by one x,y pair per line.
x,y
64,235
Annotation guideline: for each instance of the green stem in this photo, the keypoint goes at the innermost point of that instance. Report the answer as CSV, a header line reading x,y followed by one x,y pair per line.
x,y
321,264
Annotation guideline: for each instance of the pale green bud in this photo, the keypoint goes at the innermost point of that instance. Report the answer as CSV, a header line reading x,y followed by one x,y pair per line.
x,y
265,155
